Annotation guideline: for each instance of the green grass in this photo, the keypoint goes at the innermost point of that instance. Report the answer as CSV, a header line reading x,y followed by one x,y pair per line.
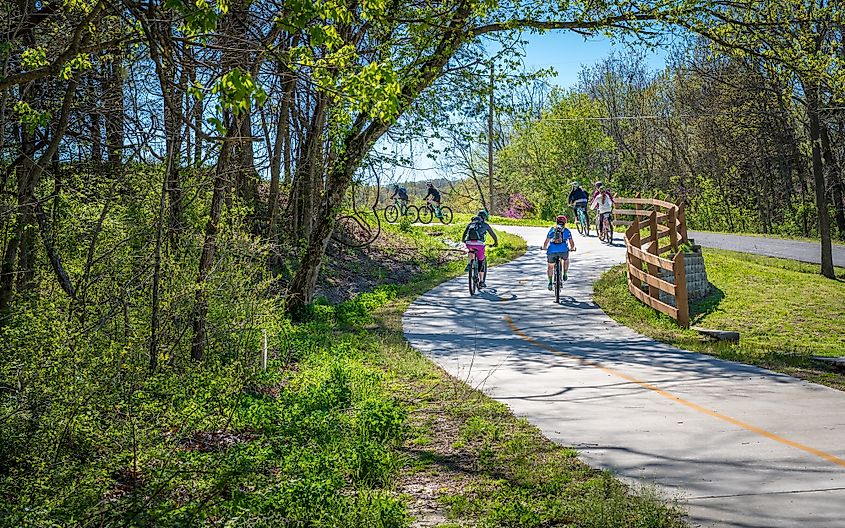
x,y
784,311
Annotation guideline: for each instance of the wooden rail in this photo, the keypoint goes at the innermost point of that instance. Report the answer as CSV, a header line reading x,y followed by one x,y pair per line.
x,y
665,230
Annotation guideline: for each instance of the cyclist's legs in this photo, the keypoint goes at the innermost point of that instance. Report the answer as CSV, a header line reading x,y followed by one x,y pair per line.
x,y
482,270
580,206
551,258
476,251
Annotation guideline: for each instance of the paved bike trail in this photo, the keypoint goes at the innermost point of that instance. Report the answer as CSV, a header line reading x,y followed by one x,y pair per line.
x,y
770,247
739,446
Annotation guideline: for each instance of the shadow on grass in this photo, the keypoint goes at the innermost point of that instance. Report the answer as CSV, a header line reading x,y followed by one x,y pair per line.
x,y
706,306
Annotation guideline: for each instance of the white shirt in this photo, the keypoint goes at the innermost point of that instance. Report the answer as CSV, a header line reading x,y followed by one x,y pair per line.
x,y
604,203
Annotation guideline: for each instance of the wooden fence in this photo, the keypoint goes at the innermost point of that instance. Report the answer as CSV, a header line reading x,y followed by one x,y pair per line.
x,y
655,228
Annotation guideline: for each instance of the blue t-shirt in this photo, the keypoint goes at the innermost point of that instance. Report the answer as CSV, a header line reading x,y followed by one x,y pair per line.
x,y
563,247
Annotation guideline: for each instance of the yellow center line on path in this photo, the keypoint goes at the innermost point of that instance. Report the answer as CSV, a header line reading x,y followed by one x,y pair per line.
x,y
754,429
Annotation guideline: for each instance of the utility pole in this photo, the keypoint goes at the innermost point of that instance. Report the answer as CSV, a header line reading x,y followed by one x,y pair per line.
x,y
490,143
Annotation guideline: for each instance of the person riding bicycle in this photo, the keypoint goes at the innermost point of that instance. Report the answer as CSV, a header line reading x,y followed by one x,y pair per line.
x,y
603,203
578,199
434,200
558,244
474,235
402,194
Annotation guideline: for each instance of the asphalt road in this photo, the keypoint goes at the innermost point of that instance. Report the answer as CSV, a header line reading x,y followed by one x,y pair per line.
x,y
737,445
770,247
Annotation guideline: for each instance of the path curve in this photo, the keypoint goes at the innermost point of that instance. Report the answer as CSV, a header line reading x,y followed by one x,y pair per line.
x,y
739,445
770,247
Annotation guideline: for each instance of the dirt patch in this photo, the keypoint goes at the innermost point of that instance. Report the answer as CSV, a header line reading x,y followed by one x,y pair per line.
x,y
206,441
436,467
356,263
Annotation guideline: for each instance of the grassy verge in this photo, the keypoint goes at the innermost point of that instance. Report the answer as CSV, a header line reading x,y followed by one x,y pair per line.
x,y
784,311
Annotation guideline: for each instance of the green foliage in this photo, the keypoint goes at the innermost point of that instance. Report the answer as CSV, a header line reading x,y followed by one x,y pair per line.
x,y
29,117
87,431
564,145
33,58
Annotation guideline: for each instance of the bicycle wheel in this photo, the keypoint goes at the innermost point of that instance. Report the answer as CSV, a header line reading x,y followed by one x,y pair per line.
x,y
445,215
557,281
391,214
424,215
412,213
473,272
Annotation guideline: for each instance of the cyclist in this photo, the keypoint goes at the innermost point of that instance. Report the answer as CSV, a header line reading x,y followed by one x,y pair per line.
x,y
578,200
434,200
558,244
402,193
474,235
603,203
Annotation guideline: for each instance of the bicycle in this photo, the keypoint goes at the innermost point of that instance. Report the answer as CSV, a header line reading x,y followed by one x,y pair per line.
x,y
605,229
428,212
558,277
582,220
474,278
474,269
394,210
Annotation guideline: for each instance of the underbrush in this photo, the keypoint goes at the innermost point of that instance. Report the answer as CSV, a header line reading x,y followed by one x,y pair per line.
x,y
309,442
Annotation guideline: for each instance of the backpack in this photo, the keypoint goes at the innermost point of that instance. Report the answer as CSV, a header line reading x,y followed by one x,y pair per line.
x,y
558,239
475,230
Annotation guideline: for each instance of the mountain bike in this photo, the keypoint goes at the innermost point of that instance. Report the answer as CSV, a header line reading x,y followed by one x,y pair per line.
x,y
582,221
474,278
393,211
558,277
605,229
428,212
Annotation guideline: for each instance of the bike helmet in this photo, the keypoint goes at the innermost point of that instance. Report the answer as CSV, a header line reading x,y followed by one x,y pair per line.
x,y
598,185
483,214
561,219
575,184
429,184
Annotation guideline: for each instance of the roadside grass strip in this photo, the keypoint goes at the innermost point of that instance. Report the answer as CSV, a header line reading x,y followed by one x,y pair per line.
x,y
786,313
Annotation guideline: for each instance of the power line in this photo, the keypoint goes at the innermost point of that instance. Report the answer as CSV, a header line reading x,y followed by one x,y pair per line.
x,y
643,117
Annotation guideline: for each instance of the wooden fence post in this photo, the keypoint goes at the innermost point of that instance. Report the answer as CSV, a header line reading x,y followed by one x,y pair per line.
x,y
681,298
654,271
634,240
682,222
673,229
264,350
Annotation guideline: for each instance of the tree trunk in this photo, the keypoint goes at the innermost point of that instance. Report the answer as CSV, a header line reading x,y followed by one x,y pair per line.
x,y
209,248
115,116
834,178
819,182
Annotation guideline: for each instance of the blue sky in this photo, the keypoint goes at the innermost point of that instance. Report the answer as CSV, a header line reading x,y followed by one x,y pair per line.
x,y
567,52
